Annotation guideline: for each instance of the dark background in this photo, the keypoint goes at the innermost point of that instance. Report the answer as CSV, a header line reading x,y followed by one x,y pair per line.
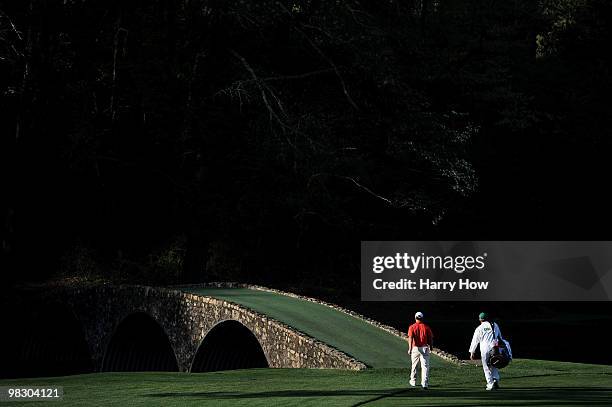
x,y
173,141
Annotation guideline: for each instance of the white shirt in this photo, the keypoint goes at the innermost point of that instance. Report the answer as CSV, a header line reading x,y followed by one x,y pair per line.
x,y
483,336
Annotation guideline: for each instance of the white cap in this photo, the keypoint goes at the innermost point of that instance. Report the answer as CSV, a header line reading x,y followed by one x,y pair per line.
x,y
418,315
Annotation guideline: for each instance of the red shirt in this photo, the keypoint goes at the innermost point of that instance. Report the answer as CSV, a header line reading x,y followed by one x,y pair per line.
x,y
421,334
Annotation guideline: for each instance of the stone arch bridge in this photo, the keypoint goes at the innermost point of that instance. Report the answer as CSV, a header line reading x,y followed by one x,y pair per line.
x,y
71,329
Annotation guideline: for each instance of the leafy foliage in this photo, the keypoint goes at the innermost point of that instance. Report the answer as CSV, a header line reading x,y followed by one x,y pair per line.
x,y
283,130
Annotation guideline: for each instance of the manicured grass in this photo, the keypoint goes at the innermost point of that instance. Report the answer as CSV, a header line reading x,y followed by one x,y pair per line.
x,y
363,341
524,383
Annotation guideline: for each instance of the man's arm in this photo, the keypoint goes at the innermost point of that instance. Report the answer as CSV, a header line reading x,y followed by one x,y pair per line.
x,y
409,339
474,344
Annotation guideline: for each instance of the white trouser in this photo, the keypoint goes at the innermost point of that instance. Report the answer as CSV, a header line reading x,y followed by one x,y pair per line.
x,y
420,354
491,373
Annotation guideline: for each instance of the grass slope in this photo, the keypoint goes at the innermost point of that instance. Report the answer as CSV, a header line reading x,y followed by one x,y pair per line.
x,y
363,341
524,383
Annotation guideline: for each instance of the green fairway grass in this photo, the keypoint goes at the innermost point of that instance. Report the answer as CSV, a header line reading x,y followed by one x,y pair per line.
x,y
524,383
363,341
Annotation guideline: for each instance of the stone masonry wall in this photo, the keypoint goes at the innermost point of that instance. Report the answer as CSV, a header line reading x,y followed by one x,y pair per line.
x,y
436,351
186,319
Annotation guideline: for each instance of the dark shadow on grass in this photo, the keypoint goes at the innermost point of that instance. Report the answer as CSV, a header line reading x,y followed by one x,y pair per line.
x,y
524,396
279,393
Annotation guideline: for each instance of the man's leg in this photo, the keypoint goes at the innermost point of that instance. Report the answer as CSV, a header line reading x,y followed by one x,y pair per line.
x,y
495,375
424,366
487,371
414,358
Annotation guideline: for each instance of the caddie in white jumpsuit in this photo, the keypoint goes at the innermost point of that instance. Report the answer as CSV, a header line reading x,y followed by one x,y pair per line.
x,y
485,336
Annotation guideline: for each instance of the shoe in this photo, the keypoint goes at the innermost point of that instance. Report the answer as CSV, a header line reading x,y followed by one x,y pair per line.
x,y
425,387
489,387
413,384
495,385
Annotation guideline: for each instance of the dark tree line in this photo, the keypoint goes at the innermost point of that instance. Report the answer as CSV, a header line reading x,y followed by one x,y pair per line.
x,y
188,139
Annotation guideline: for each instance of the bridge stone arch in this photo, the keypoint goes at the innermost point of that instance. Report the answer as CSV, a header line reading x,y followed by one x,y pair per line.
x,y
229,345
139,343
187,319
45,341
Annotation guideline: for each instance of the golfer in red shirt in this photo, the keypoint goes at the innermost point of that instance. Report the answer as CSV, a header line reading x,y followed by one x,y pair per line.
x,y
420,341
